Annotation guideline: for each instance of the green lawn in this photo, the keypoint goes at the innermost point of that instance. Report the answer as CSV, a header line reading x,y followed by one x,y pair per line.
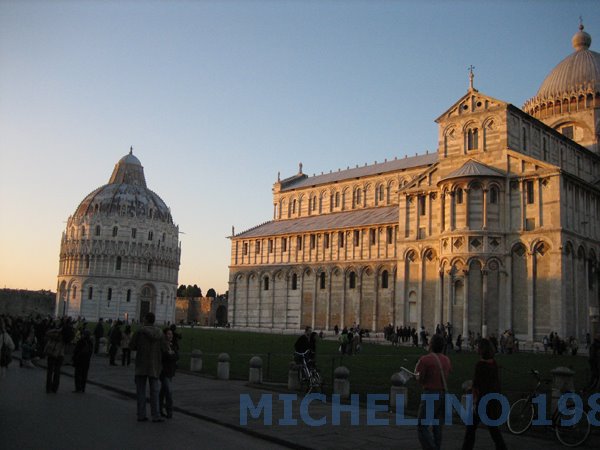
x,y
370,370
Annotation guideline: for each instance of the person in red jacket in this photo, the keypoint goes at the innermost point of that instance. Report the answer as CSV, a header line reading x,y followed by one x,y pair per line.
x,y
432,373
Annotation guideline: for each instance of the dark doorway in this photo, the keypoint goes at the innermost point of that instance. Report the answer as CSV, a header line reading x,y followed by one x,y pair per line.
x,y
144,309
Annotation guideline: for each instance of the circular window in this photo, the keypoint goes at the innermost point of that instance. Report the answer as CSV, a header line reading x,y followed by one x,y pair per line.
x,y
465,107
478,103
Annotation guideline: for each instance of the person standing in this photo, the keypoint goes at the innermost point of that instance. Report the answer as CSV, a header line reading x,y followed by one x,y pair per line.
x,y
169,366
81,359
98,334
485,381
56,338
7,346
125,350
594,360
115,342
432,372
149,343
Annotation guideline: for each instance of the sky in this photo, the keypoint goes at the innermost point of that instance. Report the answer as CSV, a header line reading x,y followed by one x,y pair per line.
x,y
217,97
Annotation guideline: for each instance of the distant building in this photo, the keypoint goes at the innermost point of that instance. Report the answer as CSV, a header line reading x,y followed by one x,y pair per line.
x,y
498,229
120,252
204,311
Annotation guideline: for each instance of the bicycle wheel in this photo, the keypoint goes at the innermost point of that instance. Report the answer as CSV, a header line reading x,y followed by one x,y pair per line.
x,y
315,381
572,435
520,416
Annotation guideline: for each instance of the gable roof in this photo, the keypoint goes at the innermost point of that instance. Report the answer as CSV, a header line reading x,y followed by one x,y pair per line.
x,y
356,218
455,109
473,168
375,169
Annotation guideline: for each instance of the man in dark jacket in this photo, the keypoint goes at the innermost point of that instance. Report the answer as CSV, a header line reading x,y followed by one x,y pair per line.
x,y
594,360
149,343
81,360
115,342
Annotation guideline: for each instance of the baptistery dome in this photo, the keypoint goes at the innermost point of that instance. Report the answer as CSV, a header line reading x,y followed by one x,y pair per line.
x,y
569,98
120,251
125,193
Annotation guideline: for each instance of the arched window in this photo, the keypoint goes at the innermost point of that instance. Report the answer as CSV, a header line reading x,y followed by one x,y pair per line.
x,y
384,279
87,261
74,292
109,294
352,280
472,139
150,235
115,231
162,298
90,293
128,295
493,195
294,282
294,206
149,266
380,193
337,199
322,280
266,283
118,265
459,196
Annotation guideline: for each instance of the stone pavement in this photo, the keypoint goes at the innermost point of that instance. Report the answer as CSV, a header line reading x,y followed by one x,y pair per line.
x,y
217,401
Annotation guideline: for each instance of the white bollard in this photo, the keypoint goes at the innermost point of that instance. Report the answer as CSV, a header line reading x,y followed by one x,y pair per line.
x,y
103,346
255,374
341,382
223,366
196,361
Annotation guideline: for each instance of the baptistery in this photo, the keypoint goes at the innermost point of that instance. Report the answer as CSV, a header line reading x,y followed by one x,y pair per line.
x,y
120,252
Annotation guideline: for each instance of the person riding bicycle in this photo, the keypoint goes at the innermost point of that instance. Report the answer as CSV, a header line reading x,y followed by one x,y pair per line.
x,y
306,345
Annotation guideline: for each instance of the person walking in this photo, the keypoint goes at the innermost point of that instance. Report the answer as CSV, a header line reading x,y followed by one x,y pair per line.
x,y
125,350
81,360
432,372
485,381
169,366
149,343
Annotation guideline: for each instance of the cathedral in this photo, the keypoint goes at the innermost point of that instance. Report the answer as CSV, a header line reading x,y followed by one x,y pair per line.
x,y
120,253
498,229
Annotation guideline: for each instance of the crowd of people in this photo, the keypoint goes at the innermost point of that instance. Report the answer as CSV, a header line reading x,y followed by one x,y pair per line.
x,y
64,340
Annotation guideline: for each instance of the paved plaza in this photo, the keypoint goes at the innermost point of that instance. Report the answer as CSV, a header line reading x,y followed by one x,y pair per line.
x,y
207,414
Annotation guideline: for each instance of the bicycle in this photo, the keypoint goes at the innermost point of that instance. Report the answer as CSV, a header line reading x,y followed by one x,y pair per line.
x,y
308,374
522,412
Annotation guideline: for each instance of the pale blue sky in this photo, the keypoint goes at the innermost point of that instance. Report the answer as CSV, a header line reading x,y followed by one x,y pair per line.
x,y
217,97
